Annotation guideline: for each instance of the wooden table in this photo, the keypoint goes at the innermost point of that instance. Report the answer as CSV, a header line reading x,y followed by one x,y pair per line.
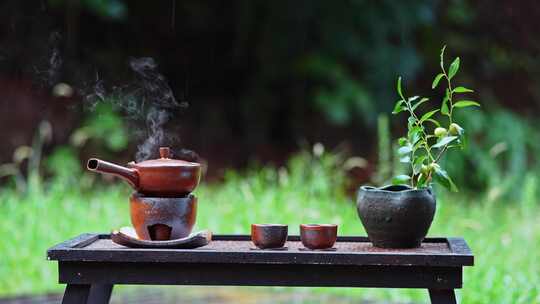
x,y
91,264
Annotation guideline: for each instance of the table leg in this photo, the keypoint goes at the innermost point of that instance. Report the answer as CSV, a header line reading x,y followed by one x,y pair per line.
x,y
76,294
87,294
442,296
100,294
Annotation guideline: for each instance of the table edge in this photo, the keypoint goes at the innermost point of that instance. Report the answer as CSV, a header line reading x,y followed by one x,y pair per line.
x,y
71,250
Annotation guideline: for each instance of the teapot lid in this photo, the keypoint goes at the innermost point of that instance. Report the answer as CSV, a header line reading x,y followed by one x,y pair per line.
x,y
164,161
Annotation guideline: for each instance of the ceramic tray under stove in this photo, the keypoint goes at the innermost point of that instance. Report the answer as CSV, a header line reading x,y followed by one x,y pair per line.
x,y
239,249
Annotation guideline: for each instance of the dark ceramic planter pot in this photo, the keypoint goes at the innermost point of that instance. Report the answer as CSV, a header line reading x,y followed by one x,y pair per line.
x,y
396,216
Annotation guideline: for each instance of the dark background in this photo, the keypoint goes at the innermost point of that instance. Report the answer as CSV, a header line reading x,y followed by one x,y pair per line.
x,y
263,79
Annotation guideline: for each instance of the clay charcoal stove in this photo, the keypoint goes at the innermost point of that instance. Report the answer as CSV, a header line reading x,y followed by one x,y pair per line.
x,y
162,206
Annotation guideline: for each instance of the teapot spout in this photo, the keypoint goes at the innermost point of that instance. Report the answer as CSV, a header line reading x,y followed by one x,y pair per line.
x,y
101,166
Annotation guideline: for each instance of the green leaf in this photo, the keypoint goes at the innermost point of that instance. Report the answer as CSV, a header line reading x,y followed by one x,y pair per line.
x,y
434,122
412,121
398,87
415,139
411,99
420,159
444,179
442,57
405,150
399,107
444,107
444,141
466,103
454,67
418,145
405,159
428,115
418,162
464,141
462,90
402,141
414,134
436,80
421,182
401,179
419,103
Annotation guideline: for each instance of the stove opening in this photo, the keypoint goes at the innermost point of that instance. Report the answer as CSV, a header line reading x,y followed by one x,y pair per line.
x,y
159,232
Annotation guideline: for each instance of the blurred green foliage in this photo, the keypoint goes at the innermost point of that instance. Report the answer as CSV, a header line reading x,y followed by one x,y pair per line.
x,y
338,59
103,123
502,148
307,189
103,128
289,59
63,163
360,46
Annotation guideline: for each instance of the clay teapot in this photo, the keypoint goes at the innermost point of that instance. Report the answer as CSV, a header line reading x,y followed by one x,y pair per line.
x,y
163,177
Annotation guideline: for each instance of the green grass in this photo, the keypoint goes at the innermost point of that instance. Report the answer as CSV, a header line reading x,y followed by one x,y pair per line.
x,y
505,236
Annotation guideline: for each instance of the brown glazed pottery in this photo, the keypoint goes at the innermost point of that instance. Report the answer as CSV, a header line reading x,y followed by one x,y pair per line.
x,y
164,177
162,218
266,236
318,236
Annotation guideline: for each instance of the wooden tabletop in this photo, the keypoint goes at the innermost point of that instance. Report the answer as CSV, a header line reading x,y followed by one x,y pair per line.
x,y
238,249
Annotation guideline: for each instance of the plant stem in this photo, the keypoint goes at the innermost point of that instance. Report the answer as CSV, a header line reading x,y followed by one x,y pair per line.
x,y
441,153
450,109
418,124
412,168
423,138
450,94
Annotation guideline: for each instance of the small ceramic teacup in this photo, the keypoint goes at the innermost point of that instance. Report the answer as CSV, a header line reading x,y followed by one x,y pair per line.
x,y
318,236
268,236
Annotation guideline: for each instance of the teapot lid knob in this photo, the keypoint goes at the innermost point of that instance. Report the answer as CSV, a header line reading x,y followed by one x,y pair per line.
x,y
164,152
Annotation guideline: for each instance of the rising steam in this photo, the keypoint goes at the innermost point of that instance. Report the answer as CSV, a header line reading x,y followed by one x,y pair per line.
x,y
149,97
48,69
159,99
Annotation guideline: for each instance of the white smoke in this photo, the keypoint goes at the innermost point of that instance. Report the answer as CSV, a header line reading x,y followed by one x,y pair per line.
x,y
49,66
148,98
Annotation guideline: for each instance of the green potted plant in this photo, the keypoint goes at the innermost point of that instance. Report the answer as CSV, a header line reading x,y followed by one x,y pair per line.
x,y
399,215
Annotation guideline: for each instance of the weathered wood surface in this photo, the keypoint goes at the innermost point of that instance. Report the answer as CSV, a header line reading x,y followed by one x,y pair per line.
x,y
441,252
91,264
